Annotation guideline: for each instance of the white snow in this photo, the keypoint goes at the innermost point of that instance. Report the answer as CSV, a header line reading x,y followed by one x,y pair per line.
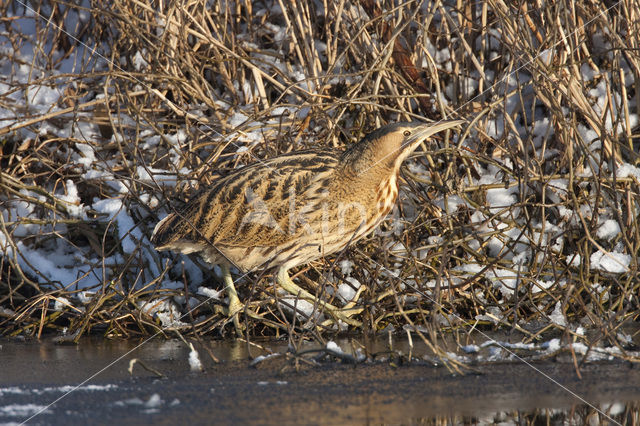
x,y
55,266
210,293
61,303
614,409
587,72
626,170
88,156
608,229
139,63
334,347
74,207
346,292
301,305
261,358
452,203
130,401
130,235
551,345
194,359
346,266
166,311
277,382
574,260
469,87
504,280
470,349
541,285
557,316
500,198
610,261
158,176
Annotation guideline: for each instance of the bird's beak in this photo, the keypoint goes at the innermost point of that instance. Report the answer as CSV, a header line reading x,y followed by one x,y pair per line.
x,y
423,131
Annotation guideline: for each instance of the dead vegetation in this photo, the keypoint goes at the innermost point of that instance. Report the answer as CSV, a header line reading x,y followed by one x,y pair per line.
x,y
165,97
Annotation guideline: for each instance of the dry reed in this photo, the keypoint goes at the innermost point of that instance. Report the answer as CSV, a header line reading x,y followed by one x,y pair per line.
x,y
552,90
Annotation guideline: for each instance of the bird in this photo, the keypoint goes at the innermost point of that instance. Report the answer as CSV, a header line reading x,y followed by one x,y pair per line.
x,y
294,208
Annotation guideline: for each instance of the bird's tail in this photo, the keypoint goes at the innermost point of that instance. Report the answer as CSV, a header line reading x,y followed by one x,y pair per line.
x,y
162,232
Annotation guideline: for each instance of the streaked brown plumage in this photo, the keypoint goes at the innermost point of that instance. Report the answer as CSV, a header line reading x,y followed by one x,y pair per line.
x,y
294,208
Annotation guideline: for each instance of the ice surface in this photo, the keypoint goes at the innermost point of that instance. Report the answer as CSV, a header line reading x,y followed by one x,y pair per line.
x,y
23,410
72,388
154,401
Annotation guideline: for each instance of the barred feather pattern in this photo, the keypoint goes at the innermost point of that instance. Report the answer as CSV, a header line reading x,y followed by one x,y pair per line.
x,y
296,207
288,210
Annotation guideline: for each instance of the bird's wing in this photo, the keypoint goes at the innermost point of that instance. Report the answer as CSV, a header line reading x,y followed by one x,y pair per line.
x,y
264,204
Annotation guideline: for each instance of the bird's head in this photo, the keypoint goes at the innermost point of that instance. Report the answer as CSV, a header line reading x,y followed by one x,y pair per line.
x,y
390,145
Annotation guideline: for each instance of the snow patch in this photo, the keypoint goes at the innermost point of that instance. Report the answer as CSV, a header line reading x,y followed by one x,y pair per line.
x,y
557,316
617,263
608,230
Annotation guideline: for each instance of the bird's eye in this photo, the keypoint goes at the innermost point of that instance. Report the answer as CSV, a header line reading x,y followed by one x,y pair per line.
x,y
406,133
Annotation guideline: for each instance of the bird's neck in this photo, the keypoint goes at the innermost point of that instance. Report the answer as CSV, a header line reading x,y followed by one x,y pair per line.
x,y
369,170
363,159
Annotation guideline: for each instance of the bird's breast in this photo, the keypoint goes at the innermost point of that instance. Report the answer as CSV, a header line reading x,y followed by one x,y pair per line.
x,y
387,194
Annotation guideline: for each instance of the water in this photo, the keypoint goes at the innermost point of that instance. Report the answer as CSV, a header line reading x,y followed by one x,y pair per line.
x,y
33,375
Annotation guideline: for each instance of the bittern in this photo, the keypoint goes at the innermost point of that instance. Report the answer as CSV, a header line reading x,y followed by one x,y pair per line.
x,y
294,208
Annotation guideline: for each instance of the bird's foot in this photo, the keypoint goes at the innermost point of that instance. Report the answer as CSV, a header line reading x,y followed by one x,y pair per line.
x,y
338,314
233,313
350,309
343,315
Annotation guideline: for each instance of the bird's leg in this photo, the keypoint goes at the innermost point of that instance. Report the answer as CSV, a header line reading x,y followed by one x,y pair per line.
x,y
235,306
288,285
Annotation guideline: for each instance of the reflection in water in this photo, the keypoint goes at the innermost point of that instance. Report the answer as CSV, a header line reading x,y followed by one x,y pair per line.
x,y
605,414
